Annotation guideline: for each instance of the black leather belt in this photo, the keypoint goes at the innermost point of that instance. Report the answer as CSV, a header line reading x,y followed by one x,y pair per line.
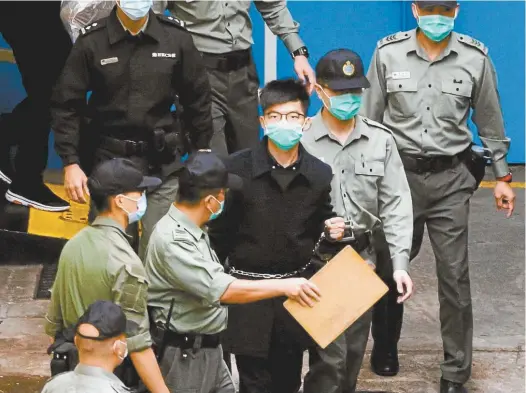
x,y
226,62
418,164
189,340
124,148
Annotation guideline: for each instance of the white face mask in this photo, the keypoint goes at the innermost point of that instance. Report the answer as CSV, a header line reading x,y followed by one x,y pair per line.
x,y
117,352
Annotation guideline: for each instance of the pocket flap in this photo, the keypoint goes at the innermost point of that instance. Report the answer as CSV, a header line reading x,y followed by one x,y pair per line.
x,y
401,85
459,89
369,168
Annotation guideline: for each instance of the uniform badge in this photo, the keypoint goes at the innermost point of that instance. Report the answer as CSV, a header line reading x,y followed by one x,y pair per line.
x,y
348,68
401,75
165,55
109,60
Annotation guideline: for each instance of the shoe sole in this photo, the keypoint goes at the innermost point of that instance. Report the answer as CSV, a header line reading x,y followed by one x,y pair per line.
x,y
5,178
20,200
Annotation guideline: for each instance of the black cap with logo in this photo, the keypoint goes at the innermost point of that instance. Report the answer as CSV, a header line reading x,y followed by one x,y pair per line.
x,y
341,69
107,317
429,4
205,170
117,176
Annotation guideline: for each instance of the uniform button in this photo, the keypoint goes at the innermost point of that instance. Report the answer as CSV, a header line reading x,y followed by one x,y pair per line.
x,y
273,167
228,24
429,85
293,168
185,355
370,170
425,130
345,195
343,171
428,108
458,89
400,86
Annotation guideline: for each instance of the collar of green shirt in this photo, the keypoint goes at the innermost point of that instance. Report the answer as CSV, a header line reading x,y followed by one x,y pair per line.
x,y
117,31
320,130
183,221
109,222
414,47
96,372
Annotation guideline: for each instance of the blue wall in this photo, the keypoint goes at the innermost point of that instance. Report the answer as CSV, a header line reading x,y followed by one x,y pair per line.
x,y
358,25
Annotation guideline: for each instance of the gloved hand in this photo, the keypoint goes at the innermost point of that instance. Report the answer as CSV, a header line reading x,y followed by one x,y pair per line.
x,y
404,285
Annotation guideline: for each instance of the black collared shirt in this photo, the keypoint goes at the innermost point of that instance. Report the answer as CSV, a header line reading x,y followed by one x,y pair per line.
x,y
267,227
133,82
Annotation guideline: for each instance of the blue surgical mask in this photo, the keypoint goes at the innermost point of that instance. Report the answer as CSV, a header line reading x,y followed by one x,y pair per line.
x,y
136,9
436,27
213,216
284,134
344,106
141,209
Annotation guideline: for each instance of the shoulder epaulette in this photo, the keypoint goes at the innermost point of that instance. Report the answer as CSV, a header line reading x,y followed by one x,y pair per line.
x,y
465,39
172,21
92,27
373,123
400,36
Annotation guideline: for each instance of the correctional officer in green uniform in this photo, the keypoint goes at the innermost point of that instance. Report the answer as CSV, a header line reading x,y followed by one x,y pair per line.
x,y
424,82
98,263
100,336
369,189
222,32
183,268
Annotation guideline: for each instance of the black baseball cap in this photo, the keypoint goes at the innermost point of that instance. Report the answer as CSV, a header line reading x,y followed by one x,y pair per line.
x,y
107,317
117,176
429,4
341,69
205,170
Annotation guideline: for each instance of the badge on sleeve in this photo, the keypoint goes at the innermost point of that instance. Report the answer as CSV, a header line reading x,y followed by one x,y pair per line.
x,y
401,75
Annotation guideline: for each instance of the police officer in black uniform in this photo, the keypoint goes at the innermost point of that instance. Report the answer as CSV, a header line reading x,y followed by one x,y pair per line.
x,y
134,62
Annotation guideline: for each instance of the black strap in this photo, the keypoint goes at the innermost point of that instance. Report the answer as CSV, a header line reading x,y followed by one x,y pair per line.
x,y
419,164
227,62
190,341
124,148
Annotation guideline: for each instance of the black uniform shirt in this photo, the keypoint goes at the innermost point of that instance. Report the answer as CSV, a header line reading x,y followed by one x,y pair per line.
x,y
134,81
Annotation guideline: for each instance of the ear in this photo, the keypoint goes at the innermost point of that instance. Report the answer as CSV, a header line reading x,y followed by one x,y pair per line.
x,y
414,7
456,10
262,121
308,123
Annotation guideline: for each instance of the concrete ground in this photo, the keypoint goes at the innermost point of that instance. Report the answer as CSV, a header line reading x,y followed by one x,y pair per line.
x,y
498,287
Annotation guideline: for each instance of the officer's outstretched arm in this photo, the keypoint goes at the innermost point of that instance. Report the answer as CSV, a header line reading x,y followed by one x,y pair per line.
x,y
195,94
68,103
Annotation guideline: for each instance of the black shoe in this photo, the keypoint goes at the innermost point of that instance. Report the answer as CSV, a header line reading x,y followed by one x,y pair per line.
x,y
451,387
384,363
39,197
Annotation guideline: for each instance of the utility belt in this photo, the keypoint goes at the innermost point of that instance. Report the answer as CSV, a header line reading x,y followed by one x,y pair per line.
x,y
162,147
187,340
419,164
226,62
65,355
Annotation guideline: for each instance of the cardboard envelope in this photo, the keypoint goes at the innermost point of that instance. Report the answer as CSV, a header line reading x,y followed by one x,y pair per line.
x,y
349,287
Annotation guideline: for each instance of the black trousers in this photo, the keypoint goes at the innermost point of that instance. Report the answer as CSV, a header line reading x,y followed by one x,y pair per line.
x,y
280,372
41,46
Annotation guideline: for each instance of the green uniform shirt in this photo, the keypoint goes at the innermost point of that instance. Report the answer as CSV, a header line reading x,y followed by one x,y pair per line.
x,y
225,26
98,263
85,379
427,103
181,265
369,185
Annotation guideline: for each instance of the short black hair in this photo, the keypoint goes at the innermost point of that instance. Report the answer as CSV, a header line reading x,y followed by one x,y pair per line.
x,y
101,202
282,91
192,195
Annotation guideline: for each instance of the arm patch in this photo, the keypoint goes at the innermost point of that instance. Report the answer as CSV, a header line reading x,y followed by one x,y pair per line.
x,y
172,21
92,27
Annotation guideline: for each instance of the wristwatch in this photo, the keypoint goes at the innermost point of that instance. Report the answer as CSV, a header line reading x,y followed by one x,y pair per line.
x,y
303,51
508,178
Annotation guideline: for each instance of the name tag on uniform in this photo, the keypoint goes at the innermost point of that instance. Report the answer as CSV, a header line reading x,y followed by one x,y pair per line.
x,y
165,55
401,75
109,60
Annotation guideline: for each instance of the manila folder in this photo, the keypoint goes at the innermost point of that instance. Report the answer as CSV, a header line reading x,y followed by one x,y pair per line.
x,y
348,287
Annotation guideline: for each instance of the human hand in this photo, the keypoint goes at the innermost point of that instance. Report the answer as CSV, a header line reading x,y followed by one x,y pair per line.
x,y
301,290
305,72
335,227
404,285
504,197
76,183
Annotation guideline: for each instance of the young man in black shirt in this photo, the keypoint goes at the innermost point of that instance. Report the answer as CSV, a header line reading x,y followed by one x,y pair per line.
x,y
268,230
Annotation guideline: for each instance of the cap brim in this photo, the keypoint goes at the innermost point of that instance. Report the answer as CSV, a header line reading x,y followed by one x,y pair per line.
x,y
348,84
234,182
149,182
430,4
